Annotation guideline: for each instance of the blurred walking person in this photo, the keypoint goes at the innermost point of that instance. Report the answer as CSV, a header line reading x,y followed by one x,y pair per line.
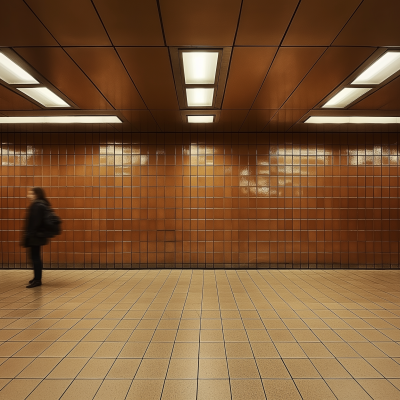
x,y
34,233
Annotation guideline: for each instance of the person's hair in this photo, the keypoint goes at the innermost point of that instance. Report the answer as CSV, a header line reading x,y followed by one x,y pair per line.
x,y
40,194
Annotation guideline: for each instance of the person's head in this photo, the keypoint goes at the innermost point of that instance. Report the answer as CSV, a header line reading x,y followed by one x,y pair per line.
x,y
36,193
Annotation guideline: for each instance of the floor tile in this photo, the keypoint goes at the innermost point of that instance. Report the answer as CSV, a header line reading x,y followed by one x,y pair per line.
x,y
113,389
214,389
347,389
18,389
380,389
281,389
247,389
314,389
213,368
49,389
145,389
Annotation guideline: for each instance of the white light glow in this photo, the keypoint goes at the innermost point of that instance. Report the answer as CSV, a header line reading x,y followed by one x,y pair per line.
x,y
200,119
200,67
200,97
65,119
14,74
44,96
380,70
353,120
345,97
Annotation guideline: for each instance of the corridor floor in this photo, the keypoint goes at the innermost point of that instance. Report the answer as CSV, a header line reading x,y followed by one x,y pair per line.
x,y
194,334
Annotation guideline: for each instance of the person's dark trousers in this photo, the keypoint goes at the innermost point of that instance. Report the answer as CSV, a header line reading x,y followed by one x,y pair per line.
x,y
37,263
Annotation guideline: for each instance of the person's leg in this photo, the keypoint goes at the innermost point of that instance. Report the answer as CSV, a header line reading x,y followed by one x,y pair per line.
x,y
37,263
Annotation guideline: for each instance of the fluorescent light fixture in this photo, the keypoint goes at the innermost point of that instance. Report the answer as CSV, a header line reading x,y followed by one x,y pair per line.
x,y
65,119
200,119
380,70
14,74
200,67
345,97
353,120
200,97
44,96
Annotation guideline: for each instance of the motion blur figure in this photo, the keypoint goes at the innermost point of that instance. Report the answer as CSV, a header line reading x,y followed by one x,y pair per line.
x,y
33,238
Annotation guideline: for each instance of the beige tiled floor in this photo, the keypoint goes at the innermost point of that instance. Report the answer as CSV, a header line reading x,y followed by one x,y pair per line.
x,y
162,334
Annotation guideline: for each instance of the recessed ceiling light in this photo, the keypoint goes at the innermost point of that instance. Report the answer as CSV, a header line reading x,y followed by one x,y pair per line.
x,y
200,97
14,74
200,67
352,120
44,96
65,119
380,70
345,97
200,119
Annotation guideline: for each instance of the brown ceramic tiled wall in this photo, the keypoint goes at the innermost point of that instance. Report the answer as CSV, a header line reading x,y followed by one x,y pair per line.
x,y
212,200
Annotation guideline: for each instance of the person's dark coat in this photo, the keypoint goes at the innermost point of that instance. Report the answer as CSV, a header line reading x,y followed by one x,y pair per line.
x,y
34,225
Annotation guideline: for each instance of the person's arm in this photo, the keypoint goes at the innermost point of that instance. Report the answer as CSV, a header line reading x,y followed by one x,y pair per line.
x,y
35,219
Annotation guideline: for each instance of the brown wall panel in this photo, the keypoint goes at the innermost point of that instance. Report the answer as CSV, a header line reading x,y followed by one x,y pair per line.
x,y
246,75
289,68
191,201
104,68
205,23
317,23
263,23
332,68
58,68
151,72
374,24
72,22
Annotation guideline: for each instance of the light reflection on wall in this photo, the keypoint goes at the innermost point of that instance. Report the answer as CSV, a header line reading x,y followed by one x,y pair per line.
x,y
23,156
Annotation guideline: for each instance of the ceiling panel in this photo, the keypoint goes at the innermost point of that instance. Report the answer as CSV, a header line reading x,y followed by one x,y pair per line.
x,y
141,120
72,22
58,68
284,120
131,22
104,68
256,120
263,23
150,69
335,65
290,66
317,22
200,23
386,98
248,68
230,120
12,101
376,23
20,27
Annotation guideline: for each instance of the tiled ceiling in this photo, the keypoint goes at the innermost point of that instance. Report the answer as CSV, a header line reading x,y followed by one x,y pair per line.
x,y
287,57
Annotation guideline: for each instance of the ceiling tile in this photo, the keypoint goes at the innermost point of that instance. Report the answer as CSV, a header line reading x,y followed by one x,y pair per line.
x,y
12,101
200,23
58,68
263,23
20,27
376,23
131,22
256,120
290,66
247,71
141,120
284,120
386,98
72,22
104,68
335,65
230,120
317,22
150,69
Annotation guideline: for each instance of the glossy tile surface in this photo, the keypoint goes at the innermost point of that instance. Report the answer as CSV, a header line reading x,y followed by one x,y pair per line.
x,y
207,201
197,334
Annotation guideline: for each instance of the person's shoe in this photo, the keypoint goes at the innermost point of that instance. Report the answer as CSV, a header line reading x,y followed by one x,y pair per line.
x,y
34,284
31,281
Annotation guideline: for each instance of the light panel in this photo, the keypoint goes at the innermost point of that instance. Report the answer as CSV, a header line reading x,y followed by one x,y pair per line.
x,y
200,67
345,97
65,119
44,96
380,70
200,97
200,119
14,74
352,120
